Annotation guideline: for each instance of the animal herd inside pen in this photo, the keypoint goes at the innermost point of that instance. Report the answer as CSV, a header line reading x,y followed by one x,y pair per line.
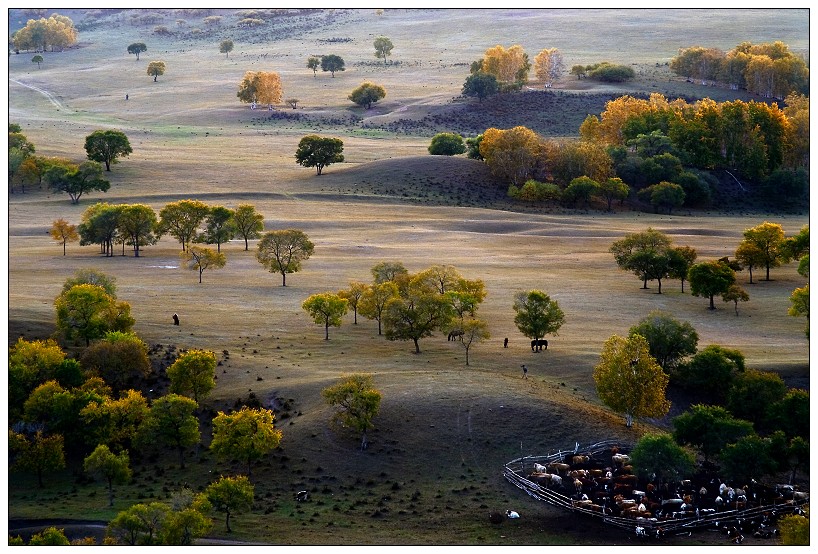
x,y
598,481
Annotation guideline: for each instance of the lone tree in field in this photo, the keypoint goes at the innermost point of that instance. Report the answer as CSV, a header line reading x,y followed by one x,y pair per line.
x,y
263,87
319,152
548,66
447,144
63,232
106,146
708,279
155,69
201,258
474,331
76,180
800,304
629,381
284,251
248,223
383,47
358,401
137,48
230,495
314,62
367,94
735,294
225,47
331,63
536,314
114,468
38,59
326,309
245,435
193,374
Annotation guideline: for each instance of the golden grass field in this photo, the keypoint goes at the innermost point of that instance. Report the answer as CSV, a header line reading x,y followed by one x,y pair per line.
x,y
445,429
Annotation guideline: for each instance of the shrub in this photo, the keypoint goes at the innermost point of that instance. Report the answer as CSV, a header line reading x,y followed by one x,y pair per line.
x,y
447,144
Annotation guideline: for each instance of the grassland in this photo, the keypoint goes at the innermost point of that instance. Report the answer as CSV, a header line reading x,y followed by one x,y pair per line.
x,y
432,473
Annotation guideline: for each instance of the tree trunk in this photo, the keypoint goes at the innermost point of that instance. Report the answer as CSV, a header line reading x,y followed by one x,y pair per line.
x,y
660,286
417,346
200,274
628,420
246,245
63,247
645,283
110,491
768,273
227,522
326,330
750,269
283,278
712,306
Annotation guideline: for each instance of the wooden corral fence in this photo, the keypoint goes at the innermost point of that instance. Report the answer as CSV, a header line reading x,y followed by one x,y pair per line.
x,y
518,470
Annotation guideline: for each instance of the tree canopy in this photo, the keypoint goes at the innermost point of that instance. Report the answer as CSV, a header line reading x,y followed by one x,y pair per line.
x,y
263,87
284,251
367,94
669,339
137,48
331,63
319,152
193,374
536,315
55,33
357,400
482,85
230,495
225,47
708,279
447,144
383,47
247,222
156,68
88,312
246,435
326,309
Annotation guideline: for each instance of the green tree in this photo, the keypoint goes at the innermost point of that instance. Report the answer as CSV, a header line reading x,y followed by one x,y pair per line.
x,y
137,48
182,220
357,401
326,309
669,339
748,458
284,251
754,393
155,69
416,314
612,189
474,331
388,271
658,454
735,294
90,276
88,312
447,144
482,85
797,246
791,414
246,435
536,315
314,62
331,63
63,232
710,373
248,223
76,180
667,195
201,258
580,189
182,527
353,296
709,428
708,279
120,359
319,152
38,59
31,363
797,456
230,495
750,256
106,146
100,225
680,259
367,94
383,47
42,454
137,225
768,239
219,227
114,468
171,422
629,252
375,299
115,422
140,524
629,381
800,304
225,47
193,374
17,158
49,537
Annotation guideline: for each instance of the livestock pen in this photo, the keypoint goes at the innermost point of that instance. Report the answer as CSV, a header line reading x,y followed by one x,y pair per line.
x,y
678,508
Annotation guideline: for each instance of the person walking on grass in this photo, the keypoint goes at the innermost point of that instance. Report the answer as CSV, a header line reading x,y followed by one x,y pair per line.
x,y
525,371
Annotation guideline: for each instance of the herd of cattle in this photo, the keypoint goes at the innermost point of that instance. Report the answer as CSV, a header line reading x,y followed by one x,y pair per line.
x,y
606,484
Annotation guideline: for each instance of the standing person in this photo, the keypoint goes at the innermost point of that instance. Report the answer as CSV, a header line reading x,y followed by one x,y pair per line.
x,y
525,371
175,319
126,97
505,342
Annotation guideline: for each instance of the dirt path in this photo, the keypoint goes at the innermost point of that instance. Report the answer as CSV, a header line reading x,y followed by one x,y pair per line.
x,y
51,98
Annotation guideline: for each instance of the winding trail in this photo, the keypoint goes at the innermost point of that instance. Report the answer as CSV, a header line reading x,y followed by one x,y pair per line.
x,y
51,98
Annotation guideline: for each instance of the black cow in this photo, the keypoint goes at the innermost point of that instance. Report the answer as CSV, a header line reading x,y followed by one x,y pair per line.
x,y
539,344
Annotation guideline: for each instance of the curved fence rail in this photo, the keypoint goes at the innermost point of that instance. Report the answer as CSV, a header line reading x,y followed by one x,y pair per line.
x,y
515,471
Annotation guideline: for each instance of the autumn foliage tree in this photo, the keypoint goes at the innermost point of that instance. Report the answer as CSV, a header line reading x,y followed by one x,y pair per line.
x,y
247,222
326,309
284,251
156,68
63,232
367,94
193,374
508,65
263,87
230,495
88,312
511,154
55,33
199,258
357,400
629,381
549,66
245,435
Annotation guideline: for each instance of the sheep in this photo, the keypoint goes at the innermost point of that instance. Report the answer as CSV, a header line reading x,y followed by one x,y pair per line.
x,y
512,514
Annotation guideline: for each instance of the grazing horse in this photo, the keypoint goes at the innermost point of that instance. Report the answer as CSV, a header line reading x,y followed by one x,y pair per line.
x,y
455,334
538,344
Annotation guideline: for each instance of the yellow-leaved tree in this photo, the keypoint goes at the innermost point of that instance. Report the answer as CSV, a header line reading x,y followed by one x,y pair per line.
x,y
263,87
548,66
508,65
511,154
629,380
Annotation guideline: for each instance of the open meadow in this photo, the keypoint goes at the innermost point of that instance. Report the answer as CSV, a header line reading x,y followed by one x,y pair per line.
x,y
432,472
